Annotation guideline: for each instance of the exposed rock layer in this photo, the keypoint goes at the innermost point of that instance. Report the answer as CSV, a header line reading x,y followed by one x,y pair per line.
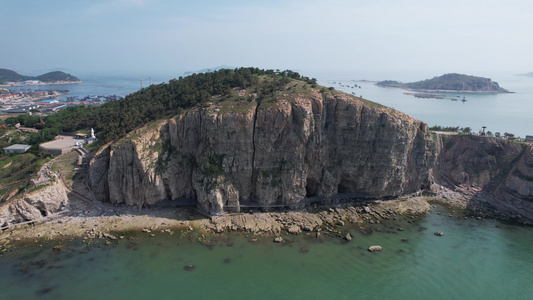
x,y
499,171
275,154
34,205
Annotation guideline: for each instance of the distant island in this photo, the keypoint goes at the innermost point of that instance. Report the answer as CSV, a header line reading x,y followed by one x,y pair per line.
x,y
208,70
530,74
12,78
449,83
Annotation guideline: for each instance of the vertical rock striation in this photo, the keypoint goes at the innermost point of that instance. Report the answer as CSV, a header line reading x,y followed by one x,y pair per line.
x,y
275,153
498,171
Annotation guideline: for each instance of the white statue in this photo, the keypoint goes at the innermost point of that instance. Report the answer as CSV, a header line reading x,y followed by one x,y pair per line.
x,y
92,133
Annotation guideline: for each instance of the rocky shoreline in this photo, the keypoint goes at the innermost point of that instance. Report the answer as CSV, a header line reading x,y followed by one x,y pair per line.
x,y
107,222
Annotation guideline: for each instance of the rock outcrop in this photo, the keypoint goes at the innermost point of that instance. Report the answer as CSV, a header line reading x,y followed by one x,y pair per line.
x,y
276,153
498,172
34,205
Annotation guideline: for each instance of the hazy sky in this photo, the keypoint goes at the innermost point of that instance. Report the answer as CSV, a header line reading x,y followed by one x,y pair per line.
x,y
466,36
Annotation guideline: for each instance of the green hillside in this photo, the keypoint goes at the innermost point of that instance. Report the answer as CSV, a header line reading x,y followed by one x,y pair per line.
x,y
9,75
57,76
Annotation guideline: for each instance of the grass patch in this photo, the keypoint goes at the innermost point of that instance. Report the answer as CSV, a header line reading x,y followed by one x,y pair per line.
x,y
135,134
17,170
214,165
19,167
94,146
434,136
237,104
86,131
66,162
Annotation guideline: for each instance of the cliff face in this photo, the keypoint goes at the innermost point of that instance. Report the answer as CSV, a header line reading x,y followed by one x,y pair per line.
x,y
274,153
501,171
34,205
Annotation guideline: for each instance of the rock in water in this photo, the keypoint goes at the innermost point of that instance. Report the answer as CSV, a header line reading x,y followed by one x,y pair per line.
x,y
189,267
375,248
278,239
348,237
304,250
439,233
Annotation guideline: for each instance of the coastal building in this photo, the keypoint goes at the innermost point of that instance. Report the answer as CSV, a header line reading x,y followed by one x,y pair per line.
x,y
61,145
17,148
22,109
31,82
27,129
47,102
8,97
529,139
66,143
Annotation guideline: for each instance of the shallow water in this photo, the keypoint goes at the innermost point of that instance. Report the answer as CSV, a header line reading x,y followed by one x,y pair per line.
x,y
473,260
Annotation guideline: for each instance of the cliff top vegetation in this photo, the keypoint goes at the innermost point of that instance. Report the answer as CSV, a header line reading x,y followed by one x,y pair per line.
x,y
450,82
115,119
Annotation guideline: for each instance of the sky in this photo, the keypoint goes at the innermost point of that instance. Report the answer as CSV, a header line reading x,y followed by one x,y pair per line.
x,y
313,37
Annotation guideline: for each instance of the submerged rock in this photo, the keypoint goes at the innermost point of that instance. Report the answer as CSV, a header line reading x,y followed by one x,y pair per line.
x,y
375,248
189,267
438,233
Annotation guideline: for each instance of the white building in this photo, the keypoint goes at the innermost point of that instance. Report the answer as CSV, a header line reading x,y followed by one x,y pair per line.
x,y
17,148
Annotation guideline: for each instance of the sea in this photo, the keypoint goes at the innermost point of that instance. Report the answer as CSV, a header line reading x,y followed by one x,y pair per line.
x,y
509,112
474,259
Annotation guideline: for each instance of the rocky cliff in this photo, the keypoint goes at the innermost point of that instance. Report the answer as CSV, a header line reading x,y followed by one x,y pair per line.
x,y
34,205
279,152
498,171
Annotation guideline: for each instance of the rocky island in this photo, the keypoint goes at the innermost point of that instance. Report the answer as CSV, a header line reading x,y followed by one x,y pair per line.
x,y
12,78
449,83
301,157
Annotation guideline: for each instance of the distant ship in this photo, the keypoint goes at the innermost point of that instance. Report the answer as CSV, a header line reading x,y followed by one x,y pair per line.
x,y
464,100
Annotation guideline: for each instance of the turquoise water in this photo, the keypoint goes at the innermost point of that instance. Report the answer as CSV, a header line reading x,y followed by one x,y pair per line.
x,y
473,260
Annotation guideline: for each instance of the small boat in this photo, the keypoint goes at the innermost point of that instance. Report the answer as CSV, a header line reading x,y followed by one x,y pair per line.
x,y
464,100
